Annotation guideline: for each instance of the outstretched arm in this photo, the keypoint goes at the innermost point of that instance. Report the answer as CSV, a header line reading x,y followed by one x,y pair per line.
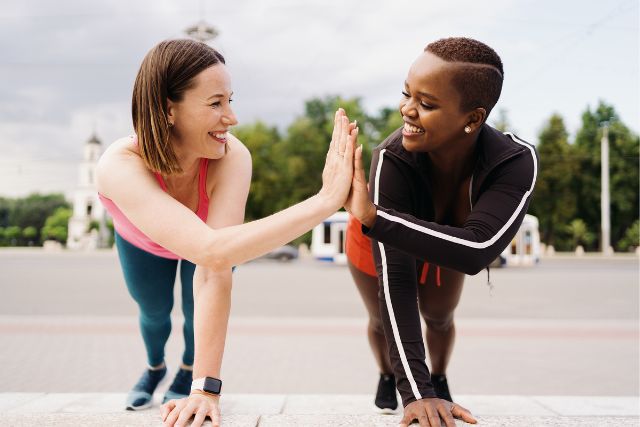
x,y
129,184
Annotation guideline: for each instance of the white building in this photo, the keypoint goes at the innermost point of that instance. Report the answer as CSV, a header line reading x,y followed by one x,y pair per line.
x,y
525,246
86,205
328,239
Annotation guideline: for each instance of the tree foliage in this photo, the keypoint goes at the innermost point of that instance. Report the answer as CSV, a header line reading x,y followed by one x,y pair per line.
x,y
568,187
288,168
623,171
27,214
56,226
554,202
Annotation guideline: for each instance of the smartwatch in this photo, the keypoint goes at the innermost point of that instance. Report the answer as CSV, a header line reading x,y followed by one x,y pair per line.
x,y
207,384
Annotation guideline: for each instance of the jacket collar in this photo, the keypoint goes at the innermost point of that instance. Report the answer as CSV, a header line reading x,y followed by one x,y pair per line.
x,y
492,147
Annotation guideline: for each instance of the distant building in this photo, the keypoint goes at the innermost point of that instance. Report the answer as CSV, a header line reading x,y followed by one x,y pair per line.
x,y
328,238
87,209
525,246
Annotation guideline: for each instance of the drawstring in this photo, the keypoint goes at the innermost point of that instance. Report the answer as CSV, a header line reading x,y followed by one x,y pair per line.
x,y
489,284
425,270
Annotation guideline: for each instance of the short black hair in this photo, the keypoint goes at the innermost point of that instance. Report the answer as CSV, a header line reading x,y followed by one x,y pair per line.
x,y
479,76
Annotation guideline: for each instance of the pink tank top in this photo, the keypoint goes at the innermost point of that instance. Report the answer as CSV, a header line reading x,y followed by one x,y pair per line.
x,y
133,235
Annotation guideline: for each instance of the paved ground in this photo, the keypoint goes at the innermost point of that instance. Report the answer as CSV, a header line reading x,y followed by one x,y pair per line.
x,y
246,410
568,327
565,327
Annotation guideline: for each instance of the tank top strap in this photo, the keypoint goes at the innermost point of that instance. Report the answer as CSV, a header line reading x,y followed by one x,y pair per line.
x,y
202,179
160,181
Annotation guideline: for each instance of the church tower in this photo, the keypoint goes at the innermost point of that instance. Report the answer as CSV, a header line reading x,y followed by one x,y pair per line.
x,y
87,209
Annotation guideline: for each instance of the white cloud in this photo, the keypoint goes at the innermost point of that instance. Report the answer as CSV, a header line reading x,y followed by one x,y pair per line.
x,y
69,66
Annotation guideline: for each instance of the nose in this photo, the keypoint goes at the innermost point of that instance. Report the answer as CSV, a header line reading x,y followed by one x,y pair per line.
x,y
229,117
407,108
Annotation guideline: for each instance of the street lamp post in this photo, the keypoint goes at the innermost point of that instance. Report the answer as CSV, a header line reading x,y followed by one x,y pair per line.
x,y
605,213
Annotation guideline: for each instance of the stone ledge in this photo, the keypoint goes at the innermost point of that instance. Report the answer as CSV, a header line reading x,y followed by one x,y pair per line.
x,y
289,420
271,410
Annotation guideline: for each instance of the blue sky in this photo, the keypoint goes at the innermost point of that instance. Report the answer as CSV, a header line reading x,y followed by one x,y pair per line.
x,y
68,67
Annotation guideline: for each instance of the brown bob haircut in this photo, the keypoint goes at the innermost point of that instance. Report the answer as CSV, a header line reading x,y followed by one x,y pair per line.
x,y
166,72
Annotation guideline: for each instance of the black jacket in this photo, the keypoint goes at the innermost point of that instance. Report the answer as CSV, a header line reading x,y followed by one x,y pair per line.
x,y
404,232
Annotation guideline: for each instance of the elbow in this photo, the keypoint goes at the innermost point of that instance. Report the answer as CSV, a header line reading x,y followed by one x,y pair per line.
x,y
217,261
213,255
473,269
476,263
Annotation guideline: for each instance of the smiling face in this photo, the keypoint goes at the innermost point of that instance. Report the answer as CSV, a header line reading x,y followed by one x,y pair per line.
x,y
203,116
430,106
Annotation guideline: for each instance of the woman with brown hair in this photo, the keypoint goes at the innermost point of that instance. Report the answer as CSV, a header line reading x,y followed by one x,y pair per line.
x,y
177,191
447,193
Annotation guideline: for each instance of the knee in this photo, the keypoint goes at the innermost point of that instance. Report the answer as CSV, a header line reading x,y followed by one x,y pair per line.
x,y
155,313
375,326
442,323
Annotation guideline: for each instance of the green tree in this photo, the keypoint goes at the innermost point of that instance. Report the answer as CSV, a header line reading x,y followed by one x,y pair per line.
x,y
266,181
33,210
631,238
554,202
13,235
384,123
6,206
302,152
579,234
30,235
56,226
624,149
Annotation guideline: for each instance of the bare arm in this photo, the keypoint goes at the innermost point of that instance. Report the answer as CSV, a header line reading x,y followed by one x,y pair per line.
x,y
212,289
124,179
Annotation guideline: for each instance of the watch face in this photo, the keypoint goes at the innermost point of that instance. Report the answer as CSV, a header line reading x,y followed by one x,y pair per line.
x,y
212,385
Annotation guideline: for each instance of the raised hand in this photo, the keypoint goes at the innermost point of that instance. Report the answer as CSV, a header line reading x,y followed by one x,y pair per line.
x,y
430,411
358,204
338,168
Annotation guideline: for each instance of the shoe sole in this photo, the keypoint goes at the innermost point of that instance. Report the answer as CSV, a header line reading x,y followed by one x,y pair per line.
x,y
148,405
384,411
141,407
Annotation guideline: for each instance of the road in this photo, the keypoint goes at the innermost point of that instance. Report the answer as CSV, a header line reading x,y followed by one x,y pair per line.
x,y
568,326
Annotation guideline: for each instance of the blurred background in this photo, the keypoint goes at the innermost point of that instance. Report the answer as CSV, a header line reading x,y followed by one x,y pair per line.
x,y
562,316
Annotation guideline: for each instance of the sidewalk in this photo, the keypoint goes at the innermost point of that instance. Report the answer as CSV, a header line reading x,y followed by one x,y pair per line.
x,y
278,410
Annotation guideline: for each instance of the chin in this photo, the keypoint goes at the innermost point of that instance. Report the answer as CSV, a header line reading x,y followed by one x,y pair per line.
x,y
412,145
215,154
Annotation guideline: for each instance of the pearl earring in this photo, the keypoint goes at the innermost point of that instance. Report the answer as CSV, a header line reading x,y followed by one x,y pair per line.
x,y
467,129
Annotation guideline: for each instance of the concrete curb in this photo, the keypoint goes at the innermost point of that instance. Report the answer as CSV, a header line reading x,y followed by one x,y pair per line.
x,y
270,410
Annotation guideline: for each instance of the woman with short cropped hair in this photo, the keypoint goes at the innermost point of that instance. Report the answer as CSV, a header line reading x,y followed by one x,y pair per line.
x,y
447,193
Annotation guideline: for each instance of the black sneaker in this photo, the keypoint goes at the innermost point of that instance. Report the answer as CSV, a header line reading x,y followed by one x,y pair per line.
x,y
386,399
181,386
141,396
441,387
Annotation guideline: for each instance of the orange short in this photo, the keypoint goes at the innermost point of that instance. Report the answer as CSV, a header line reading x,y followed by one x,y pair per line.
x,y
358,248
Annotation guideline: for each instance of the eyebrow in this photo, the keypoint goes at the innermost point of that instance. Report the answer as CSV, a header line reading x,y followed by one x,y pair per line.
x,y
425,94
219,95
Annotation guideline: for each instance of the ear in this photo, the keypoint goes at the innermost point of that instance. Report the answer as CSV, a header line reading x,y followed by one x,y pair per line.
x,y
476,118
171,112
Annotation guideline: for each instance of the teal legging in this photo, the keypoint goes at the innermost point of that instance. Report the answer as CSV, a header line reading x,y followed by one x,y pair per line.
x,y
150,281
